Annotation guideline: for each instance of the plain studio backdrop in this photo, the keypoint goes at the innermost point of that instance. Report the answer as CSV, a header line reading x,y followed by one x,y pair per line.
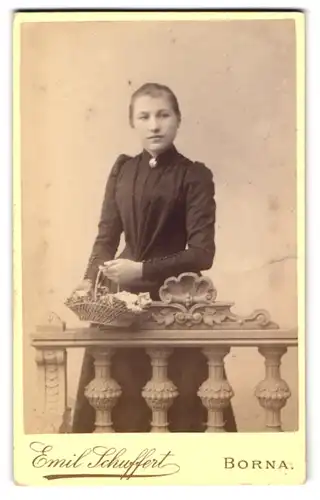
x,y
235,82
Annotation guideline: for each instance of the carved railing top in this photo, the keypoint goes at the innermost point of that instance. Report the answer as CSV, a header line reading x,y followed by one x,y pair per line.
x,y
190,301
188,289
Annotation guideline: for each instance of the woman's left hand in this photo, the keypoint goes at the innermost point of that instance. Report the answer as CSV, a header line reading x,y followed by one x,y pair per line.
x,y
123,270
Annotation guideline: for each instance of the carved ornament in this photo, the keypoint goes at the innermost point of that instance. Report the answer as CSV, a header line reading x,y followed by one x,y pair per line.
x,y
190,301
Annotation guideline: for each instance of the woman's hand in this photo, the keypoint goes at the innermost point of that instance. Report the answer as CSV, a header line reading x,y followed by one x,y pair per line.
x,y
122,270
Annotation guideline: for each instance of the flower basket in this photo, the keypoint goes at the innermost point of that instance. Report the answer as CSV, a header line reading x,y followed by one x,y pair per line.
x,y
107,309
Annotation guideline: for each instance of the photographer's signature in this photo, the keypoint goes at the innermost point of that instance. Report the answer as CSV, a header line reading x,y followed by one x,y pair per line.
x,y
116,463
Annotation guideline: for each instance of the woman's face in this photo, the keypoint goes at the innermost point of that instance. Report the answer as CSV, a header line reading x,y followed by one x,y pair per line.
x,y
155,122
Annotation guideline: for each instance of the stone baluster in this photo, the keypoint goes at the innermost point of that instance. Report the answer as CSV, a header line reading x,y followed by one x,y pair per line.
x,y
272,392
216,392
103,392
159,393
52,408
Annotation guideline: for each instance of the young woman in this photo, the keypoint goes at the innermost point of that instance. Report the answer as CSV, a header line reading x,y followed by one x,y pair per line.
x,y
164,204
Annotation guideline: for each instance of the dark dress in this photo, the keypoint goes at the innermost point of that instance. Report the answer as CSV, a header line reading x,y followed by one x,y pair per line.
x,y
167,214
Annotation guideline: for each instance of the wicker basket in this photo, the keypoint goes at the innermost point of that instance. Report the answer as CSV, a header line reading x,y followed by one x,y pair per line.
x,y
104,308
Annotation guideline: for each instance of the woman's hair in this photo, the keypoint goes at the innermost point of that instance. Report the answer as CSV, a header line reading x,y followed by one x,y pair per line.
x,y
154,90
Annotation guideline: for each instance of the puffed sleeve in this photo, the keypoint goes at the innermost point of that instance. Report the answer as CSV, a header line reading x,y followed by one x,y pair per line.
x,y
200,208
109,227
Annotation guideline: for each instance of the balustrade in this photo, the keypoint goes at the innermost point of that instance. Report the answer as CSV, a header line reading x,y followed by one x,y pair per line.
x,y
187,315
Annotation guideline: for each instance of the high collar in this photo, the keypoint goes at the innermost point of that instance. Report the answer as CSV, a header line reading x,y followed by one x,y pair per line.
x,y
163,158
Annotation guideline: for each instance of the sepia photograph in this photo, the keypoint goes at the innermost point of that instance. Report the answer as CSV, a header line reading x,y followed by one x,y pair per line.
x,y
159,225
184,146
